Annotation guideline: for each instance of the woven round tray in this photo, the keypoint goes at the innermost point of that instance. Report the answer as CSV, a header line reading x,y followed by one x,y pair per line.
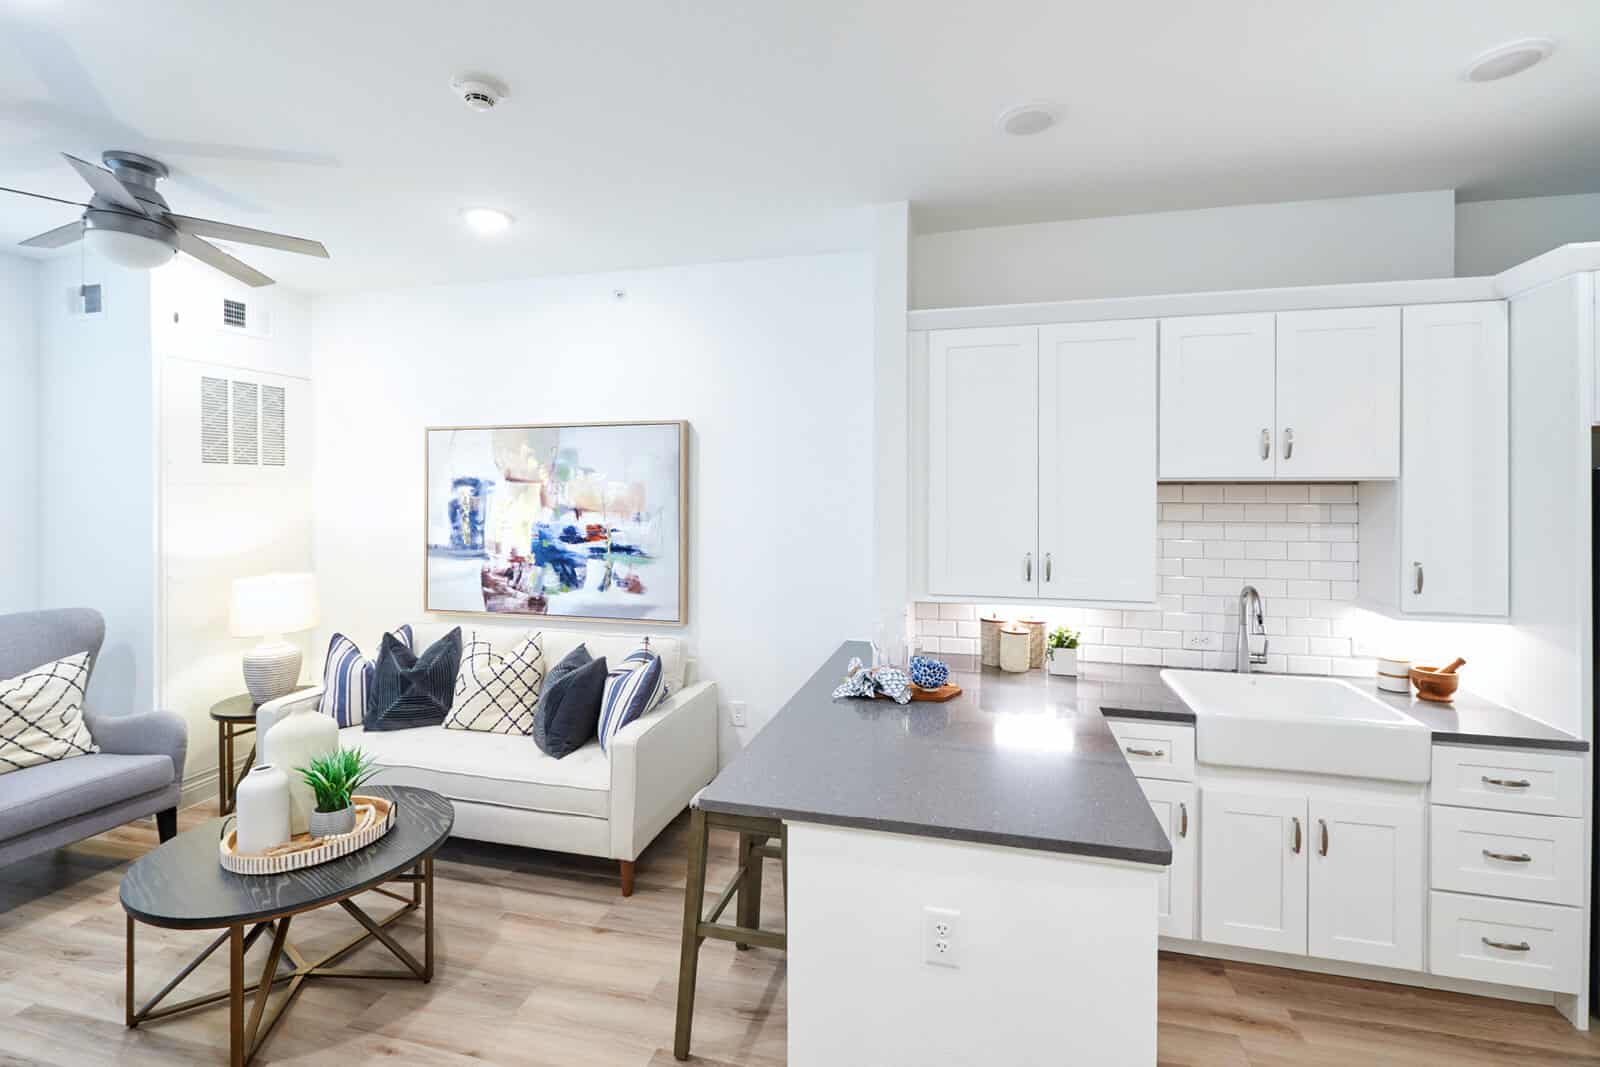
x,y
374,818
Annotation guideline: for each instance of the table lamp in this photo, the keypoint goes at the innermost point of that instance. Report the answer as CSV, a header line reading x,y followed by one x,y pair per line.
x,y
269,606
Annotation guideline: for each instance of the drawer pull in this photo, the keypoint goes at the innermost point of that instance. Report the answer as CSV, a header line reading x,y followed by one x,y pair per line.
x,y
1183,819
1520,946
1296,836
1507,857
1506,783
1323,823
1153,753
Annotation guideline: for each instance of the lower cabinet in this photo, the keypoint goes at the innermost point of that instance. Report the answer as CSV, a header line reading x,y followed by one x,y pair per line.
x,y
1330,876
1176,810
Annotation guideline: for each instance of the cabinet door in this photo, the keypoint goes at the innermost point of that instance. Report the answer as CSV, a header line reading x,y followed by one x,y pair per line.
x,y
1454,506
1176,811
1217,397
1339,394
983,462
1097,461
1367,869
1253,870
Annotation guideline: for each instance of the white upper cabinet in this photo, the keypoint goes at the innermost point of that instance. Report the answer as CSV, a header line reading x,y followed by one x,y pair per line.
x,y
1339,394
1367,864
1454,495
983,468
1097,461
1217,397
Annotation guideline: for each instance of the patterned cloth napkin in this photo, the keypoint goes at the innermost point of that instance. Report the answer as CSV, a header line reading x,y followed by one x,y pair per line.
x,y
892,682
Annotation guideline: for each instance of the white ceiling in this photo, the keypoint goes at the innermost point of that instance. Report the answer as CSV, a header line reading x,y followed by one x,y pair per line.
x,y
642,132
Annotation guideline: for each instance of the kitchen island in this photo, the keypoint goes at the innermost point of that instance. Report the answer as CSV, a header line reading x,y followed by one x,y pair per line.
x,y
972,882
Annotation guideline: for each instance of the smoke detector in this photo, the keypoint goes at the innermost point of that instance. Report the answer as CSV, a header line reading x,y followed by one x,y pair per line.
x,y
1025,120
478,92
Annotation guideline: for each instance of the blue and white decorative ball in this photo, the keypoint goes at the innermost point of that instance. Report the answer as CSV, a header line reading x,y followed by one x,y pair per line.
x,y
928,673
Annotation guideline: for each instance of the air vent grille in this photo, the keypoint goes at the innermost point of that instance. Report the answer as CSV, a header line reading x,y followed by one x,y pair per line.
x,y
272,426
213,420
233,313
246,421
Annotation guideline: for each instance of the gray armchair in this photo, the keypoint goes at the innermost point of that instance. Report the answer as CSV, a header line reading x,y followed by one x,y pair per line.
x,y
137,772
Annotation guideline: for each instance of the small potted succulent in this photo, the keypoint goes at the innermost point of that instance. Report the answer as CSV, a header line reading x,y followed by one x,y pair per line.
x,y
334,778
1061,652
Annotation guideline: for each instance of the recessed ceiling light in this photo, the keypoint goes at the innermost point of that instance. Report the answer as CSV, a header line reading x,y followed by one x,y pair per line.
x,y
1025,120
1512,58
486,220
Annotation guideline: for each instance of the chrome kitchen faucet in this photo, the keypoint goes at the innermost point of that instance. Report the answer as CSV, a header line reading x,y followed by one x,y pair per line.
x,y
1250,604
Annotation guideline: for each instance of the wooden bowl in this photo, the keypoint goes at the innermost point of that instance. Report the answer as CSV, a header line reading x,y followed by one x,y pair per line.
x,y
1434,686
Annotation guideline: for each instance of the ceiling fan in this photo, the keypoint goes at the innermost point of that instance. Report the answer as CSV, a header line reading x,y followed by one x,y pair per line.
x,y
129,222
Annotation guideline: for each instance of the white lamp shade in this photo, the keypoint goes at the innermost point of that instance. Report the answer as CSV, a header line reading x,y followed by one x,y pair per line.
x,y
273,604
129,249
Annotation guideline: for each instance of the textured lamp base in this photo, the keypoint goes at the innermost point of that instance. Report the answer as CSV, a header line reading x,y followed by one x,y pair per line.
x,y
271,670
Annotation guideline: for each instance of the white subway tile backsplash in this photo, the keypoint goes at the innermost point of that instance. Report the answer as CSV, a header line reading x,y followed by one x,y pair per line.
x,y
1309,550
1183,548
1244,494
1287,569
960,646
1344,550
1224,512
1265,513
1267,549
1145,656
927,611
1244,531
1282,531
1203,531
1183,512
1202,494
1333,494
958,611
936,627
965,628
1144,620
1169,493
1343,572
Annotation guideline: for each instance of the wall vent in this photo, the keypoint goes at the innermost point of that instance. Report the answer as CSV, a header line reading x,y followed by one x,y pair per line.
x,y
213,420
234,314
243,423
246,421
272,426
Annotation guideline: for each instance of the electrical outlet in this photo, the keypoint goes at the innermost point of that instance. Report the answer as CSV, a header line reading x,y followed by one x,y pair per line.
x,y
941,943
736,712
1199,641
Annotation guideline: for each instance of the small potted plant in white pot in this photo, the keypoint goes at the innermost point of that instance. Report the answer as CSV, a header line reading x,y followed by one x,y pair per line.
x,y
334,778
1061,653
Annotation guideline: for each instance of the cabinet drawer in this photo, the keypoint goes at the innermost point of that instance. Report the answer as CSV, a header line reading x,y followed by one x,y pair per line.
x,y
1506,854
1536,946
1503,779
1156,749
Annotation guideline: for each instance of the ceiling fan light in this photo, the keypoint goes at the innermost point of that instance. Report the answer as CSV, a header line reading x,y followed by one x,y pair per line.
x,y
486,220
129,249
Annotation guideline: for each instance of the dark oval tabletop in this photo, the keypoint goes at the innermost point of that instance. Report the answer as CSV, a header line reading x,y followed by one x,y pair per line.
x,y
182,884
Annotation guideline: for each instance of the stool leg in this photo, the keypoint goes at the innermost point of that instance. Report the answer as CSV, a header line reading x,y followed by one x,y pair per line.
x,y
694,894
750,887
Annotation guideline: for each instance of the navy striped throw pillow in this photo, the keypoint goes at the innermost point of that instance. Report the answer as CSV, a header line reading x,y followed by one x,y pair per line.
x,y
346,677
409,690
633,687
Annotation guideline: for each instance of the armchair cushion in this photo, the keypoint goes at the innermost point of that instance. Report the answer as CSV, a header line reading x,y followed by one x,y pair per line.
x,y
48,793
154,733
41,714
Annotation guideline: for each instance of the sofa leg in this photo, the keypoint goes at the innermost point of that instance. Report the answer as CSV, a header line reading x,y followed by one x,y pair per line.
x,y
627,877
167,824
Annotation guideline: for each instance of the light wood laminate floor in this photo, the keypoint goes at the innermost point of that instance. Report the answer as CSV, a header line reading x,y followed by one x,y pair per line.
x,y
541,961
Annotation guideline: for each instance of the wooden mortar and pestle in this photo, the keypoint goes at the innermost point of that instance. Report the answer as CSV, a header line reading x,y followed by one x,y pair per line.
x,y
1437,684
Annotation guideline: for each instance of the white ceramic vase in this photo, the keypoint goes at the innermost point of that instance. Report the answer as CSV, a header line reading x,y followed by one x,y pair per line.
x,y
292,743
1062,662
262,809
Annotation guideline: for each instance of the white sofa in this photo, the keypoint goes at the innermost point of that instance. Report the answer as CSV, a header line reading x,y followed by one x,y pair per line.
x,y
505,789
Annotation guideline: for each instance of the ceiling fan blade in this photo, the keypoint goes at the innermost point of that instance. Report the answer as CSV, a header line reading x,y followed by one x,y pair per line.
x,y
41,196
59,237
105,185
212,256
226,231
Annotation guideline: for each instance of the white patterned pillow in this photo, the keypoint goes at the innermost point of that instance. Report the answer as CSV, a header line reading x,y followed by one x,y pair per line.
x,y
497,694
41,714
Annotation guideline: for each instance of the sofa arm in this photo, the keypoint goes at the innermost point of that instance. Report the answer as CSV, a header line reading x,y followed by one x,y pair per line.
x,y
658,763
274,710
153,733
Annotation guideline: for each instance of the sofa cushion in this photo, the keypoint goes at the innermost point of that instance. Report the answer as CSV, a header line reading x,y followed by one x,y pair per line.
x,y
557,643
409,690
569,710
41,714
633,687
495,693
39,796
347,675
506,770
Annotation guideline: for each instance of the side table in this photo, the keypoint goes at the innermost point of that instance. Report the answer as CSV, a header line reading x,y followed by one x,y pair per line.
x,y
235,717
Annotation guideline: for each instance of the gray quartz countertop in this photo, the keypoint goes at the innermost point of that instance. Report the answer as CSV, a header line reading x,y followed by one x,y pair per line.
x,y
1019,760
1467,720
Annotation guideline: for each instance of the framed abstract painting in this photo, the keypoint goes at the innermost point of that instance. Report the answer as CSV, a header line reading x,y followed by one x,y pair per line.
x,y
574,521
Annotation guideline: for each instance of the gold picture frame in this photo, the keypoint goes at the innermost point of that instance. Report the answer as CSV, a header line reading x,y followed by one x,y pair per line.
x,y
429,550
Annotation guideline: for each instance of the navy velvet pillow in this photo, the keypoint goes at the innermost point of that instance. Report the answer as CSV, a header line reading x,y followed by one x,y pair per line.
x,y
409,690
569,709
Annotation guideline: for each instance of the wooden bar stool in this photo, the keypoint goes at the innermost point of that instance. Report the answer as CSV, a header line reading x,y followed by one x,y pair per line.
x,y
755,845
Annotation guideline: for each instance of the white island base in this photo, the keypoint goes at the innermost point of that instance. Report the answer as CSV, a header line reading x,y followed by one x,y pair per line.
x,y
1055,954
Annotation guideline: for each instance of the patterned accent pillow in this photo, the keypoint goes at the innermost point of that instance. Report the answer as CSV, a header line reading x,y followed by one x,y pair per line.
x,y
633,687
41,714
498,694
411,690
347,676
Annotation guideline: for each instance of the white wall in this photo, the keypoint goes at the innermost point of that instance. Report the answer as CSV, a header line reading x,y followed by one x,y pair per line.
x,y
19,483
1492,235
97,507
771,362
1309,242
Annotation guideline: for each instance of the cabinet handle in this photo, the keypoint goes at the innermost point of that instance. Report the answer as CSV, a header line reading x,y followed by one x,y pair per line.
x,y
1506,783
1520,946
1266,442
1288,443
1027,567
1323,824
1183,819
1416,582
1154,753
1047,567
1296,820
1506,857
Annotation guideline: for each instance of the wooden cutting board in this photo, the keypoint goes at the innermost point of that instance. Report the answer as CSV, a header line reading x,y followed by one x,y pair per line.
x,y
948,691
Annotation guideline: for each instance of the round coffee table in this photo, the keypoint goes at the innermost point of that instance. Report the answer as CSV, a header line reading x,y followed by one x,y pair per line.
x,y
181,885
235,716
